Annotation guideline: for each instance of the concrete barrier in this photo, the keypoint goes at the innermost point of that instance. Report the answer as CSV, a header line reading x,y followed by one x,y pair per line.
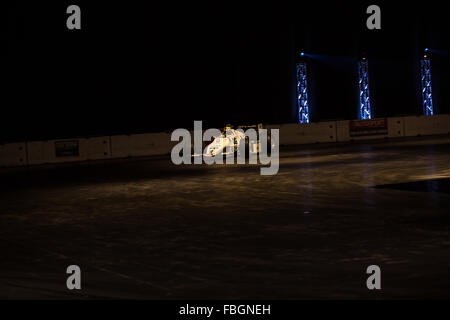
x,y
96,148
342,130
148,144
39,152
427,125
68,150
316,132
120,146
348,130
13,154
138,145
396,127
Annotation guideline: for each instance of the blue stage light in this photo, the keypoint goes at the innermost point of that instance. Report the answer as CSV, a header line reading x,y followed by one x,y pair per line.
x,y
302,93
425,81
365,110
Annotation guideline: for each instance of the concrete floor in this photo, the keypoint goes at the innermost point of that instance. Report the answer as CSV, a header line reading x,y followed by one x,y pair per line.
x,y
148,229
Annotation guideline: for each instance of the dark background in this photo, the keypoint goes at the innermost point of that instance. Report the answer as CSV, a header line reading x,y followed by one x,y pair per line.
x,y
143,67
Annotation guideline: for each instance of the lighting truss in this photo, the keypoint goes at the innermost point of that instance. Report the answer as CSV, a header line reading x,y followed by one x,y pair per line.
x,y
425,81
365,111
302,93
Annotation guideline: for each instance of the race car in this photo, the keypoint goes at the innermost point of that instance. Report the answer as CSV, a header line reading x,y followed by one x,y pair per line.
x,y
231,140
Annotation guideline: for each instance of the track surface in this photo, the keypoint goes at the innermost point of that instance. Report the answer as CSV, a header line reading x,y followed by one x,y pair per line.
x,y
148,229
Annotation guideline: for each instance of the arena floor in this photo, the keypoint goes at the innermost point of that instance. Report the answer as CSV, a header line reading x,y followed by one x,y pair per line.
x,y
145,228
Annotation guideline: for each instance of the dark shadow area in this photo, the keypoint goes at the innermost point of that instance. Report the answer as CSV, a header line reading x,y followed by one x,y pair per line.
x,y
431,185
154,67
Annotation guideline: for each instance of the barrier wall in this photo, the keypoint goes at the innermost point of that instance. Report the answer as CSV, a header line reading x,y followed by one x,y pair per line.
x,y
292,133
137,145
68,150
349,130
13,154
98,148
120,146
427,125
148,144
396,127
342,130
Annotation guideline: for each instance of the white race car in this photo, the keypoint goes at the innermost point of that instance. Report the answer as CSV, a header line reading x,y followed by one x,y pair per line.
x,y
231,139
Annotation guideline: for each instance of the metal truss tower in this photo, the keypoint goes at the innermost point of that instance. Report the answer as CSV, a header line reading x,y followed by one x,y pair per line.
x,y
425,81
365,110
302,93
